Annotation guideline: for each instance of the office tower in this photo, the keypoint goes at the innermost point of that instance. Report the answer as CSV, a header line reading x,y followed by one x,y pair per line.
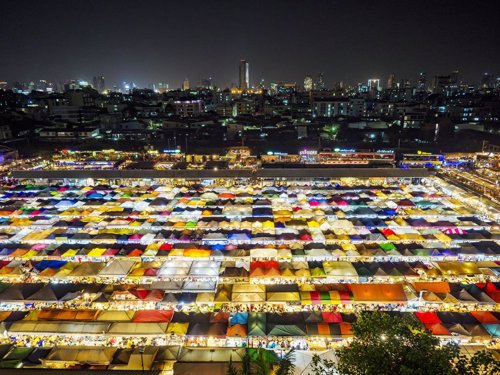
x,y
487,81
98,83
391,81
454,76
308,83
320,84
185,85
374,84
244,75
422,82
206,83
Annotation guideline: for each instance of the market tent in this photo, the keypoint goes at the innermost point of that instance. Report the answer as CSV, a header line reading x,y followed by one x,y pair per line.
x,y
88,355
137,360
286,329
248,293
339,269
137,329
80,328
237,330
437,329
493,329
115,316
435,287
257,324
485,317
153,316
284,292
177,328
19,292
239,318
428,317
378,292
14,358
117,268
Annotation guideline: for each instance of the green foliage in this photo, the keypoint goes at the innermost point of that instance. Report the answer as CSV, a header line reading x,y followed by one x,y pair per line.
x,y
386,345
263,362
321,366
481,363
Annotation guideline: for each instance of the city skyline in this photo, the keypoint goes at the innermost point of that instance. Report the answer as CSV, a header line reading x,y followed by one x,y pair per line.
x,y
346,42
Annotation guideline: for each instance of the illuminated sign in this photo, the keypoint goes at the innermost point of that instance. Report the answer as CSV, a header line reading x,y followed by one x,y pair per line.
x,y
308,152
172,151
344,150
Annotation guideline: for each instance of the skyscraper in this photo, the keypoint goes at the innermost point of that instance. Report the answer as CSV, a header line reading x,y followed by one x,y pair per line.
x,y
98,83
308,83
390,81
422,82
244,75
487,81
185,85
320,84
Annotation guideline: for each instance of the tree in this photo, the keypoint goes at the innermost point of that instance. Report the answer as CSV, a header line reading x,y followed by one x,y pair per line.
x,y
321,366
263,362
481,363
401,345
386,345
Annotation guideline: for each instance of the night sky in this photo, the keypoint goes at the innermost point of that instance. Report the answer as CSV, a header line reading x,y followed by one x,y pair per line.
x,y
149,41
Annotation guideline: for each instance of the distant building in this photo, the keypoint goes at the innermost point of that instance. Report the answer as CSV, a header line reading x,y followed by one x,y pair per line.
x,y
391,81
330,107
308,83
207,83
73,114
68,134
185,85
244,107
320,83
244,75
98,83
189,108
487,81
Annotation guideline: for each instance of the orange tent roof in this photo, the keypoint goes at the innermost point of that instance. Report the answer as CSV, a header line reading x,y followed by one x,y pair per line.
x,y
435,287
153,316
346,329
238,330
438,329
485,317
378,292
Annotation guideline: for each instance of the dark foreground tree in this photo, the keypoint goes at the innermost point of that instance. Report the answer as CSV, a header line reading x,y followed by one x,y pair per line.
x,y
387,345
263,362
481,363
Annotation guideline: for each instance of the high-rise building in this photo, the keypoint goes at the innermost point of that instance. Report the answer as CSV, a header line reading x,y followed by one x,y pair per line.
x,y
244,75
98,83
320,83
454,77
422,82
206,83
308,83
487,81
374,84
185,85
391,81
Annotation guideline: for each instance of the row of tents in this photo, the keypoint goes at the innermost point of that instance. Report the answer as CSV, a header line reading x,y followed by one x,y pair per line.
x,y
478,324
179,293
160,250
